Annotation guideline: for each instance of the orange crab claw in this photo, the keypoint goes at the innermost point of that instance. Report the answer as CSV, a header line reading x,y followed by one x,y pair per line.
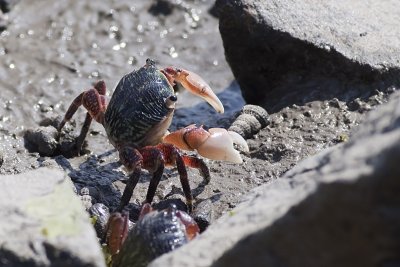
x,y
117,231
216,144
196,85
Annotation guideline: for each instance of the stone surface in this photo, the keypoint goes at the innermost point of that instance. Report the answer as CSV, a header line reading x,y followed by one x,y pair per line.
x,y
338,208
43,223
276,45
42,140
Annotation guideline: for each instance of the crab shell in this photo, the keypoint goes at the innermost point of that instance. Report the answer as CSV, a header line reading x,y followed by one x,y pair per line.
x,y
142,105
137,113
156,233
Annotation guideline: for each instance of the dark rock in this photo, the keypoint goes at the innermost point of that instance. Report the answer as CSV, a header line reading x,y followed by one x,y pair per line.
x,y
55,122
278,47
203,214
42,140
340,207
7,5
100,214
161,7
48,142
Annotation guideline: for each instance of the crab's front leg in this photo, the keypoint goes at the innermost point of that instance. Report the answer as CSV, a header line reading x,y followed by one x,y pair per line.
x,y
95,103
194,84
216,143
154,159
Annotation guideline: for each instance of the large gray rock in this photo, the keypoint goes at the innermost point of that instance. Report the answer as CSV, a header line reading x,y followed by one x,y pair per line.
x,y
269,44
338,208
43,222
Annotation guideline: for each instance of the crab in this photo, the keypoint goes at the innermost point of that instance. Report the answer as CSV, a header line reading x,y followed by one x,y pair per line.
x,y
137,119
155,232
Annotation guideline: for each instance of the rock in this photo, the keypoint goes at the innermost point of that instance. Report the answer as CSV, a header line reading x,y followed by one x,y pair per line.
x,y
1,158
100,213
86,198
340,207
273,46
48,142
203,214
43,222
42,140
7,5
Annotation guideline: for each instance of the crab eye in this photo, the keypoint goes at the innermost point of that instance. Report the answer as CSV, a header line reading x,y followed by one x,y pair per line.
x,y
170,101
178,70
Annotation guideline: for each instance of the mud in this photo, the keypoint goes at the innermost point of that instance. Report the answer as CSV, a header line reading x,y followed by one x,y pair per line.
x,y
52,50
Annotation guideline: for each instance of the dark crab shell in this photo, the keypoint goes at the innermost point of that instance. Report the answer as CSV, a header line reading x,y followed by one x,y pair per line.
x,y
158,232
137,105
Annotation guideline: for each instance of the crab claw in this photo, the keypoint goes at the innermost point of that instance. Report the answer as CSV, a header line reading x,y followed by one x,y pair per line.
x,y
116,231
216,143
196,85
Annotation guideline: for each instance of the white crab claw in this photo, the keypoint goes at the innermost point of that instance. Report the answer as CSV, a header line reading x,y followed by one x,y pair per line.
x,y
219,146
239,141
216,144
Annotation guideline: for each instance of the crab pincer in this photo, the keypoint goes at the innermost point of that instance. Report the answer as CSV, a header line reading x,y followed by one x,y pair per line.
x,y
216,143
194,84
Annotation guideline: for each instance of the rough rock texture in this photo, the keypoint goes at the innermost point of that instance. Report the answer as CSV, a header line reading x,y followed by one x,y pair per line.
x,y
45,223
338,208
280,46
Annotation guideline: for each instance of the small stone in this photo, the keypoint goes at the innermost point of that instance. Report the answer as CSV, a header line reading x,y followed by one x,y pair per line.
x,y
100,214
203,214
42,140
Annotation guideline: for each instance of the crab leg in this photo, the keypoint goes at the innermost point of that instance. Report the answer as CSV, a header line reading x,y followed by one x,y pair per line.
x,y
171,156
153,159
216,143
93,100
199,164
194,84
132,160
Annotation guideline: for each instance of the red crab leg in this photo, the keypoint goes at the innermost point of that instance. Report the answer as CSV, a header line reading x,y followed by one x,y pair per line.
x,y
172,156
84,130
132,160
153,159
199,164
94,101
